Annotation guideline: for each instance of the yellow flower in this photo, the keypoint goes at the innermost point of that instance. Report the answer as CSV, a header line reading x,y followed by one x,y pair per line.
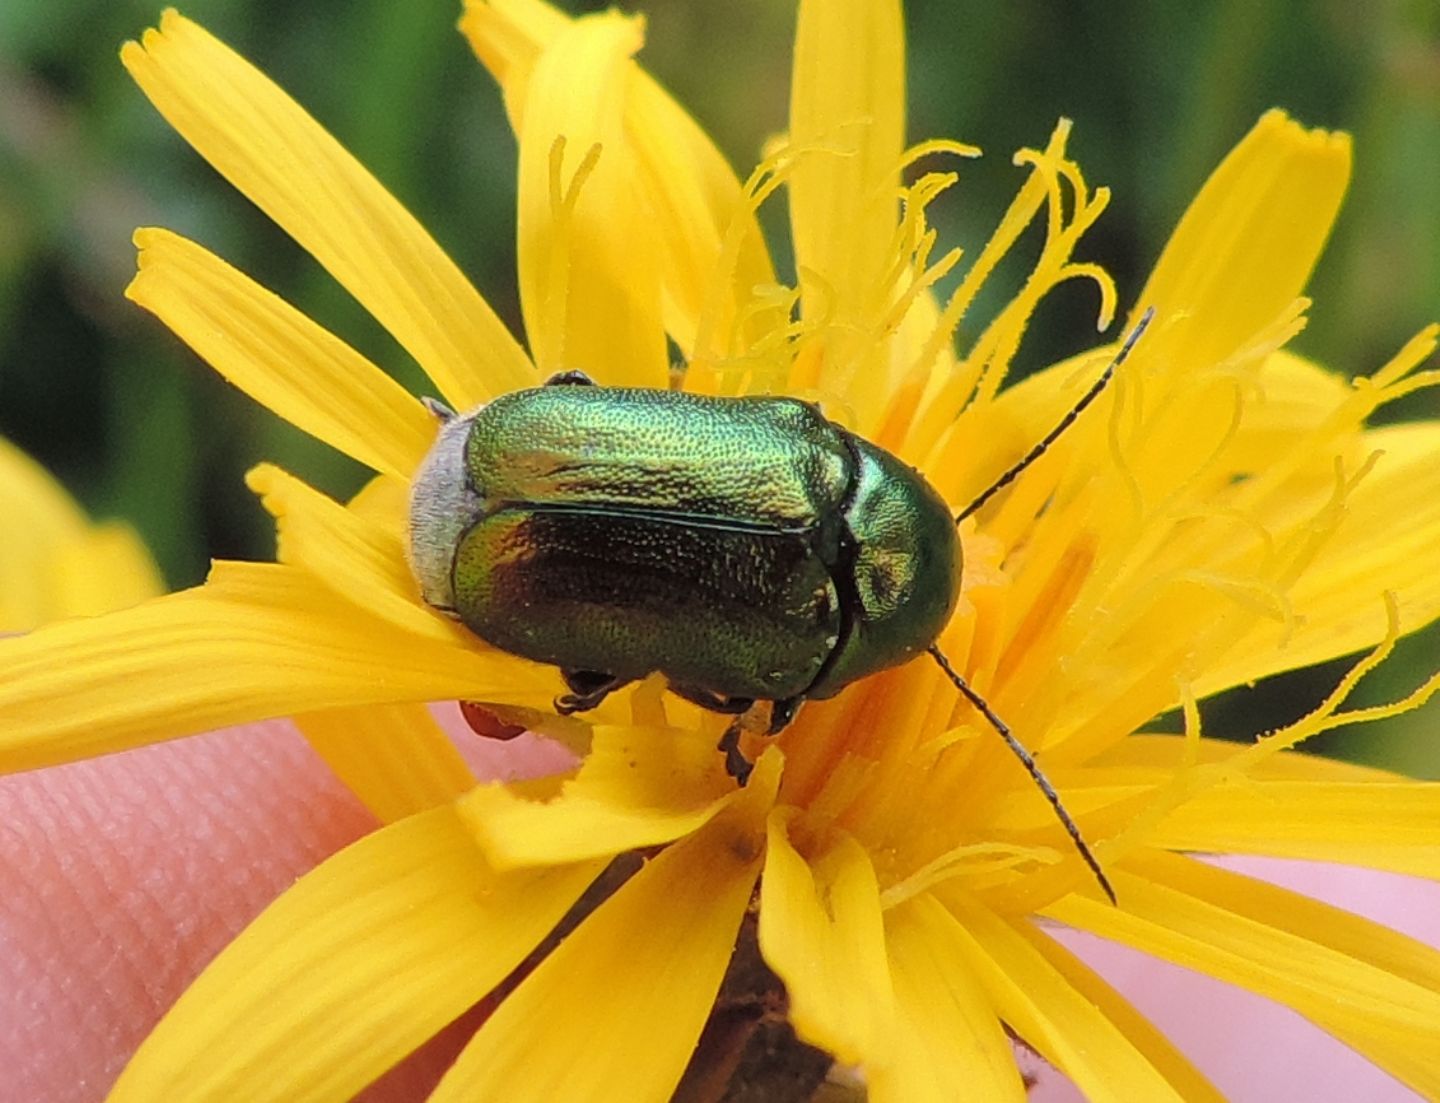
x,y
55,563
1222,514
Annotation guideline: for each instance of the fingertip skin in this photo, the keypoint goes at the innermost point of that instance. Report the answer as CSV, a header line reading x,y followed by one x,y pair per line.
x,y
1251,1047
124,875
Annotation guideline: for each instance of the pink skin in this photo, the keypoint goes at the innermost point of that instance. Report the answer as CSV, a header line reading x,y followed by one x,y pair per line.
x,y
122,876
1251,1048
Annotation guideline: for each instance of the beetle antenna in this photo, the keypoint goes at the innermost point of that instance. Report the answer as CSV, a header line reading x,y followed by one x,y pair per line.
x,y
1028,760
1065,422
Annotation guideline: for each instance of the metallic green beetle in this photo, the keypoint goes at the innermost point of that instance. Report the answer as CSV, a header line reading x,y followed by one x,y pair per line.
x,y
748,549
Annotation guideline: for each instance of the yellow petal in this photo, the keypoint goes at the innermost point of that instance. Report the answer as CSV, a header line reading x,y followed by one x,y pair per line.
x,y
383,501
588,256
949,1043
1373,988
1192,1085
109,568
508,36
1148,759
256,641
615,1012
33,495
395,758
1297,556
1246,246
358,560
1393,826
821,931
847,111
1339,597
351,969
291,168
712,254
1045,1009
278,356
56,564
1294,396
638,787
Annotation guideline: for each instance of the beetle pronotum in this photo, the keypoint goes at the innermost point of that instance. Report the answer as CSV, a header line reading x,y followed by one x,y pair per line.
x,y
748,549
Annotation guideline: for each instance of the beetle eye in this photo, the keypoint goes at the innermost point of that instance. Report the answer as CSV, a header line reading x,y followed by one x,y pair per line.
x,y
883,577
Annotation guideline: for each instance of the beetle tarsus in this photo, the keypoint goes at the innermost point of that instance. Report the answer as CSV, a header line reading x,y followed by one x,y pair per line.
x,y
736,764
587,689
715,702
782,712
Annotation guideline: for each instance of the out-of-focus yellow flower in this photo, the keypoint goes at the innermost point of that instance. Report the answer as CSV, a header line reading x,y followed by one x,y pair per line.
x,y
55,562
1222,514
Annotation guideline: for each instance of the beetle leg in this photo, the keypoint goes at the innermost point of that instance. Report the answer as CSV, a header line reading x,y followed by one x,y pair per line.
x,y
587,689
736,764
782,712
715,702
569,379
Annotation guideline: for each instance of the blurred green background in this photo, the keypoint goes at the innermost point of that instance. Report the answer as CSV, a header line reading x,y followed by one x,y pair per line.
x,y
138,428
